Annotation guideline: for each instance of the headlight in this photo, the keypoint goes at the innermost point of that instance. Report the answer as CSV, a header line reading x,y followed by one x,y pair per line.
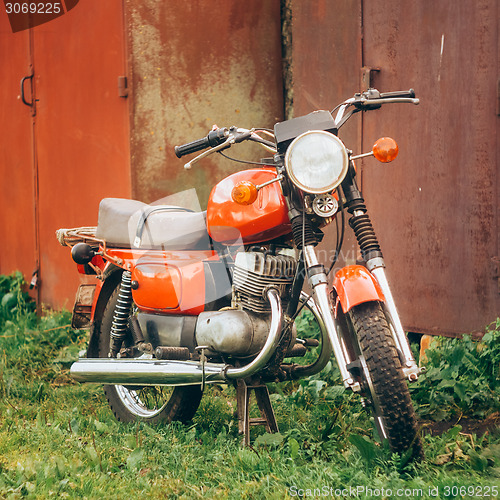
x,y
316,161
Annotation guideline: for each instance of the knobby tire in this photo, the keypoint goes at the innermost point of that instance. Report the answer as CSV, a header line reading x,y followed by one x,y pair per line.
x,y
385,382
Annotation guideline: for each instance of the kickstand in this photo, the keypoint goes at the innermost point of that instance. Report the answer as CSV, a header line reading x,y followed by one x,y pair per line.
x,y
243,395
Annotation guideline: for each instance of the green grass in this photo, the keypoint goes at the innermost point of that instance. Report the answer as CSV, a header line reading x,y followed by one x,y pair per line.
x,y
59,439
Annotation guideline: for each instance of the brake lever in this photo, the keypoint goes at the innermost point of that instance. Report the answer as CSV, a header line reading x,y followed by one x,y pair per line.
x,y
390,100
340,113
226,144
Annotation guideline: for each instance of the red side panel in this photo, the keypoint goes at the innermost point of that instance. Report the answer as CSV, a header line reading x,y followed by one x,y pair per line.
x,y
170,282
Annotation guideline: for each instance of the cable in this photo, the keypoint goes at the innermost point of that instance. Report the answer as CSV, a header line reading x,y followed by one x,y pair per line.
x,y
340,241
247,162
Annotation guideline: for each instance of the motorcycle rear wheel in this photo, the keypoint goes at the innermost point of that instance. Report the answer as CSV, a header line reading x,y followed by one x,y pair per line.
x,y
152,404
384,381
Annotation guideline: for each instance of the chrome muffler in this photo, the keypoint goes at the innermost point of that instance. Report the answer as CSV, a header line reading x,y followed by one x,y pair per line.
x,y
146,372
169,372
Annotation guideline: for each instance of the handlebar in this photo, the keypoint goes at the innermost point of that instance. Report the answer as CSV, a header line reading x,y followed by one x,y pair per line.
x,y
402,94
373,99
219,139
214,138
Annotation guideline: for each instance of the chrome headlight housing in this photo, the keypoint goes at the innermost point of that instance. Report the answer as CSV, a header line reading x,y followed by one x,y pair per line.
x,y
316,161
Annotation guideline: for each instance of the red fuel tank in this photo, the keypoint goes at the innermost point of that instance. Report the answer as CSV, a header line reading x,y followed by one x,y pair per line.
x,y
266,218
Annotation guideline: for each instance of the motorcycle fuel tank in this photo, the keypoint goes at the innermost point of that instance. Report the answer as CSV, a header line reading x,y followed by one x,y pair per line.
x,y
266,218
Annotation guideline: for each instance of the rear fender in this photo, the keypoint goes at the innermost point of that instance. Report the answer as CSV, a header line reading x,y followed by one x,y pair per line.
x,y
355,285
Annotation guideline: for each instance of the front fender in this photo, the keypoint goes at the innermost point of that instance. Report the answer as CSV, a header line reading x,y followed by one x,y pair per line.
x,y
355,285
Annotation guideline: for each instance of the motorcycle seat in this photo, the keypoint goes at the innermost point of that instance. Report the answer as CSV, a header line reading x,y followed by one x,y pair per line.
x,y
133,224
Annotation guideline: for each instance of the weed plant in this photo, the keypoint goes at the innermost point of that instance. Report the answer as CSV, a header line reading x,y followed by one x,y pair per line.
x,y
60,439
462,377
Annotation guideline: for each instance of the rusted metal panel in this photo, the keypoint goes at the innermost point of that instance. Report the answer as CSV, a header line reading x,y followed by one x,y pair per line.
x,y
326,41
81,131
60,157
326,62
16,155
436,208
193,66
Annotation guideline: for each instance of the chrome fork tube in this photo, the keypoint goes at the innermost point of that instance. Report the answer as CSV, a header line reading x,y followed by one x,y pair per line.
x,y
319,284
409,365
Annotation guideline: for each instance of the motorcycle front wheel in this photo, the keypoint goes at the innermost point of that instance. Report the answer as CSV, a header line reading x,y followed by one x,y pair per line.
x,y
383,379
153,404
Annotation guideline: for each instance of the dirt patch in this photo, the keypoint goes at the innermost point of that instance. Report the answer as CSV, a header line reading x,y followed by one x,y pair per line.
x,y
490,425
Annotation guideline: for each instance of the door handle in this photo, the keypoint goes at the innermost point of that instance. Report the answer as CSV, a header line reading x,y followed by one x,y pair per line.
x,y
23,98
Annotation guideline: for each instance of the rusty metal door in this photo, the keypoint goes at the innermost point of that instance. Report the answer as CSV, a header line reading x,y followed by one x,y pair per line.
x,y
326,62
436,208
192,66
70,148
82,147
17,184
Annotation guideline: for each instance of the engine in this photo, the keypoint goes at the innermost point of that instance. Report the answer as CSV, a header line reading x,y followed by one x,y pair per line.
x,y
255,272
243,330
239,331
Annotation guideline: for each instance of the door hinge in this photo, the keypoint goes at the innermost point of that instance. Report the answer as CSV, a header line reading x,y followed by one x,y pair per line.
x,y
122,86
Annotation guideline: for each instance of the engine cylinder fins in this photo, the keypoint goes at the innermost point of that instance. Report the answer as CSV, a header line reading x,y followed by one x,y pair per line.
x,y
256,272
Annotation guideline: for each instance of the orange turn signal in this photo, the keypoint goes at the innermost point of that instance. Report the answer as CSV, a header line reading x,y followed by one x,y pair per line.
x,y
385,149
244,193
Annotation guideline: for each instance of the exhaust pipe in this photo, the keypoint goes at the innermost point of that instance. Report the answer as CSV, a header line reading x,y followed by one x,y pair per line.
x,y
169,372
146,372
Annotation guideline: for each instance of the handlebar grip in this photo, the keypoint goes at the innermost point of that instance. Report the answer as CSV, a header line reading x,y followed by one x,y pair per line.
x,y
214,138
401,93
191,147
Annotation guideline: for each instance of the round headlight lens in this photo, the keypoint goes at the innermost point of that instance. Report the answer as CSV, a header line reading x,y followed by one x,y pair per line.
x,y
316,161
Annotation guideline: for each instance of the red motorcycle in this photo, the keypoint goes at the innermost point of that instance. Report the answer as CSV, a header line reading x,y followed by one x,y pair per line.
x,y
186,298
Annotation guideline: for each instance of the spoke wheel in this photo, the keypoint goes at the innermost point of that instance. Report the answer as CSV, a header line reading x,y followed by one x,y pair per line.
x,y
384,382
153,404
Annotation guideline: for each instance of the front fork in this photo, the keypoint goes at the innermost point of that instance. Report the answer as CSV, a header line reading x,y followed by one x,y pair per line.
x,y
410,368
319,283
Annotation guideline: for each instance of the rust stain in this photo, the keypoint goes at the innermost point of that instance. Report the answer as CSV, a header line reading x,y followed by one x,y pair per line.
x,y
437,207
189,74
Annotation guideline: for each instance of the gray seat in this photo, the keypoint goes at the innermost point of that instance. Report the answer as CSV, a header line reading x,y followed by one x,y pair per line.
x,y
131,223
